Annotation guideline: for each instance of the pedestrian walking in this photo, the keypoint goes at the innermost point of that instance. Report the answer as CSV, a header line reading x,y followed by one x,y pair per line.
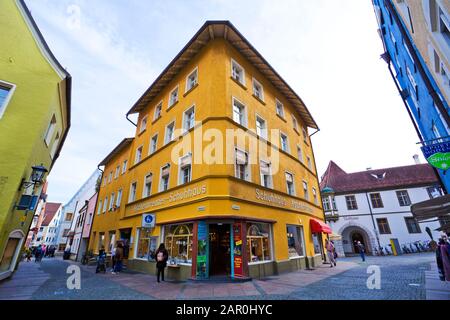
x,y
330,252
118,257
101,261
362,250
37,254
113,256
444,253
28,254
161,261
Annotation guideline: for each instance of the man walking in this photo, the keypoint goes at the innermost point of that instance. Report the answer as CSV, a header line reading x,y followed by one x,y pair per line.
x,y
361,250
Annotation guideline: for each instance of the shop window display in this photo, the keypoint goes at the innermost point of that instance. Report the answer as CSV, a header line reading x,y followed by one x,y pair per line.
x,y
258,242
295,241
178,241
147,245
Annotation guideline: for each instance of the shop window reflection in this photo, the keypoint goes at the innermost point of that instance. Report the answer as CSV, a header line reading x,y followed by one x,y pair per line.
x,y
258,242
178,241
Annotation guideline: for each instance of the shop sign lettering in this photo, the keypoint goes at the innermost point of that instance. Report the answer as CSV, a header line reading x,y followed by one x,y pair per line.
x,y
275,199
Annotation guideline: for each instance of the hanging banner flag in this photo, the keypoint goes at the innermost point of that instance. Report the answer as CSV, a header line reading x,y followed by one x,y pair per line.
x,y
438,155
202,250
237,234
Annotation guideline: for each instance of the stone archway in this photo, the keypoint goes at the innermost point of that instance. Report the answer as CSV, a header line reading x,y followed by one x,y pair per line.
x,y
351,232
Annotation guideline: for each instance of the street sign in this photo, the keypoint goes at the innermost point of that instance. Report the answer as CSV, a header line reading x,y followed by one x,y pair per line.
x,y
438,155
148,220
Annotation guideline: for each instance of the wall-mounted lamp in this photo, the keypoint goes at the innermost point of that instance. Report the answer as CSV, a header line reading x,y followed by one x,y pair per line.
x,y
37,176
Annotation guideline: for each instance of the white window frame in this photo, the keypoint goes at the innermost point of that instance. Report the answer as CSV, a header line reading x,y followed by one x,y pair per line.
x,y
233,62
300,153
270,174
245,118
294,122
110,175
145,192
50,130
185,129
305,193
278,102
100,207
180,169
160,107
124,166
105,205
136,161
143,127
172,103
256,83
187,89
160,187
282,134
12,88
248,170
309,162
265,130
117,173
55,145
119,197
315,196
293,183
173,133
150,149
134,183
111,201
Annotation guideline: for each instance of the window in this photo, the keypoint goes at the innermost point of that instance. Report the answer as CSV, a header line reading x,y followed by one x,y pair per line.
x,y
326,203
116,175
50,130
237,72
147,186
132,196
189,118
110,177
138,157
412,225
170,130
185,174
403,198
314,192
258,90
6,91
305,190
55,145
143,125
279,108
305,135
111,202
101,240
147,245
413,83
124,166
308,160
178,240
383,226
266,174
119,198
261,127
258,242
290,184
241,166
192,80
154,144
173,98
158,109
434,192
284,142
294,122
239,114
444,26
351,202
299,153
376,200
165,175
105,204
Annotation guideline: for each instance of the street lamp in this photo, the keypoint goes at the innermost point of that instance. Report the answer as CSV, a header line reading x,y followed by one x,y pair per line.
x,y
37,176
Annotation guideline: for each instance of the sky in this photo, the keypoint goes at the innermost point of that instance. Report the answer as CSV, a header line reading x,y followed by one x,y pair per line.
x,y
328,51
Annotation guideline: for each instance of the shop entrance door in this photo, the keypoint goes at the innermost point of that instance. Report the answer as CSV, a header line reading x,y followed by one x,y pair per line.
x,y
219,249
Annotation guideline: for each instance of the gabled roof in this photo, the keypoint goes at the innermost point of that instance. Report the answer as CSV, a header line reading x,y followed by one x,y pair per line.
x,y
380,179
222,29
122,145
50,210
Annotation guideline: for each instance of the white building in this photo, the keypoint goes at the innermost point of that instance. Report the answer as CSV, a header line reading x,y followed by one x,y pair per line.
x,y
47,233
67,234
373,206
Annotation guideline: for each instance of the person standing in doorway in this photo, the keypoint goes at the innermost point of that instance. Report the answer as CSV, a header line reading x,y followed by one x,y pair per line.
x,y
161,261
330,252
362,250
444,248
118,258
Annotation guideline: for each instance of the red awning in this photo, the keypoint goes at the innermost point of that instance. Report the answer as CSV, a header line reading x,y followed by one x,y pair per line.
x,y
319,227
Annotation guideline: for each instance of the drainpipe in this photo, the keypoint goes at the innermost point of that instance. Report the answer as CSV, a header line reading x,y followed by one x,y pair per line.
x,y
373,221
134,124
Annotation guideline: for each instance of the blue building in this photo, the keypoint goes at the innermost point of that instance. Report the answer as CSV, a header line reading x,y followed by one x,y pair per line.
x,y
416,39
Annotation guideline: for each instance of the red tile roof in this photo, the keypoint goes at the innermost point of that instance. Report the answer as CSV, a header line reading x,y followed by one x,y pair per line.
x,y
50,210
379,179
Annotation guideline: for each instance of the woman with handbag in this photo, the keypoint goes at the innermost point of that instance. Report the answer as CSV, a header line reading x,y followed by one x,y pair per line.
x,y
330,252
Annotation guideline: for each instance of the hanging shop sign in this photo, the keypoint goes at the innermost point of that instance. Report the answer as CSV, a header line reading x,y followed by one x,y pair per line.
x,y
202,250
148,220
237,253
438,155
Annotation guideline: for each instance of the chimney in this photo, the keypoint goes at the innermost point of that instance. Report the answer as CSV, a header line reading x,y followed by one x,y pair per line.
x,y
416,159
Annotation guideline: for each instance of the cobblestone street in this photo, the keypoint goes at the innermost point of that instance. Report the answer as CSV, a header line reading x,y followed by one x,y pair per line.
x,y
402,278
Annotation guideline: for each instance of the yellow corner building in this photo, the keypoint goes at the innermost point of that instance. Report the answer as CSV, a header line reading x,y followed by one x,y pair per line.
x,y
221,169
35,93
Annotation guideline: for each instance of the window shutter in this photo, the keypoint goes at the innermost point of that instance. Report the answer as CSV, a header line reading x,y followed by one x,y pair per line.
x,y
241,157
165,170
148,179
289,178
186,160
265,168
